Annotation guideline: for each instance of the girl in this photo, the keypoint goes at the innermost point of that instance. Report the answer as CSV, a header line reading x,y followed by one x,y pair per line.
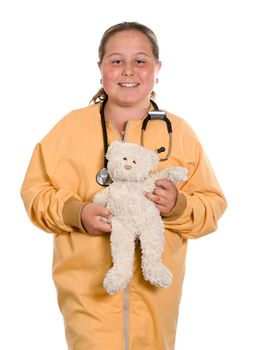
x,y
61,182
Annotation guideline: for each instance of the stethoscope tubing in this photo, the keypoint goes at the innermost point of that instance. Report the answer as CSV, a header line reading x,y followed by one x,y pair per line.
x,y
102,176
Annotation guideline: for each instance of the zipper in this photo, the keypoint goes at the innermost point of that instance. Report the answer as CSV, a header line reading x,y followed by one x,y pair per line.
x,y
126,318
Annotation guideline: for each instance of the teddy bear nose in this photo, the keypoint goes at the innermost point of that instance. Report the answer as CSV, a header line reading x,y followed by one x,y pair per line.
x,y
127,167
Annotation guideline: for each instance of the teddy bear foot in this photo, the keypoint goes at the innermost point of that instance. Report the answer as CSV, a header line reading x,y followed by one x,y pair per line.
x,y
115,280
159,275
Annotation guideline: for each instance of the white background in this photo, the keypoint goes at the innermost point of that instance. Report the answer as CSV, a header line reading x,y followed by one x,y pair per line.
x,y
209,77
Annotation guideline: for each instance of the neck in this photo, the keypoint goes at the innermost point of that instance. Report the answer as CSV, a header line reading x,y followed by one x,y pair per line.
x,y
122,114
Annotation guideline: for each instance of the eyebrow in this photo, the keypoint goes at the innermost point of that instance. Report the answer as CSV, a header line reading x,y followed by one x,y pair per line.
x,y
120,54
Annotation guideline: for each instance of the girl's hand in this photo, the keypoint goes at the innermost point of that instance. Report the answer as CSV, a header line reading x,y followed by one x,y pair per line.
x,y
96,219
164,195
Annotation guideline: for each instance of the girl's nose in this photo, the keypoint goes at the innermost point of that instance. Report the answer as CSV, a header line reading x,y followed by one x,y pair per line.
x,y
128,74
128,71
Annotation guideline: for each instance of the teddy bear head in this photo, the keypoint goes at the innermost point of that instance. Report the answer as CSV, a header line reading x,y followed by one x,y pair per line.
x,y
130,162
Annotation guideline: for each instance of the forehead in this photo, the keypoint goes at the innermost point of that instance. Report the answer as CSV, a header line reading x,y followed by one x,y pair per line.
x,y
128,41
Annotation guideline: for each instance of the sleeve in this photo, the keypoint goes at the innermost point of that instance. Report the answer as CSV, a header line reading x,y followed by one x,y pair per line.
x,y
52,209
200,202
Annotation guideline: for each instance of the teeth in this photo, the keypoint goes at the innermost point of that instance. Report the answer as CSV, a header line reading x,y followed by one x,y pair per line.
x,y
129,84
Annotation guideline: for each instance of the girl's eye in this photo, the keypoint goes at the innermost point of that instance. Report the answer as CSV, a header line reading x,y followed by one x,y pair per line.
x,y
117,62
134,162
124,158
140,61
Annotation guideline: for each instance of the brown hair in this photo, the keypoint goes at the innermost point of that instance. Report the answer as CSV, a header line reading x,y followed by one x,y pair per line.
x,y
120,27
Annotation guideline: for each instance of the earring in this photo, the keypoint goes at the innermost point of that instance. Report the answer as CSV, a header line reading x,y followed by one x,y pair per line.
x,y
101,81
157,80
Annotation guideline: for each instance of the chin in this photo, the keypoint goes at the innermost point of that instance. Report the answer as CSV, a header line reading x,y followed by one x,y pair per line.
x,y
131,100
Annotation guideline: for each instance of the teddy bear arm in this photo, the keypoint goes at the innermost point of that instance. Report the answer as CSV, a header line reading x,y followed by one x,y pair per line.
x,y
175,174
162,174
149,184
101,197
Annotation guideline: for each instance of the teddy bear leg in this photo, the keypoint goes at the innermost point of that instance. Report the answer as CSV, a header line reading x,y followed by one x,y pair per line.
x,y
122,249
153,269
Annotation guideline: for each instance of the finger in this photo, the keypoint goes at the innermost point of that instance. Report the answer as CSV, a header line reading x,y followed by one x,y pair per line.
x,y
167,196
155,198
167,192
105,228
102,225
159,191
163,209
161,204
164,183
104,220
104,212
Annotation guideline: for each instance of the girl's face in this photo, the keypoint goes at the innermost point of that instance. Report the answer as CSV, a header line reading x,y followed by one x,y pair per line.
x,y
129,68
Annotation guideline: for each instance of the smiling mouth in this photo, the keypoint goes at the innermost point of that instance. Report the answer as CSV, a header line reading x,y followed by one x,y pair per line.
x,y
129,85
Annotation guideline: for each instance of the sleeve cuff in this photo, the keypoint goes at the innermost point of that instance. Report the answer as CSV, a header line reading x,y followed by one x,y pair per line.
x,y
178,209
72,213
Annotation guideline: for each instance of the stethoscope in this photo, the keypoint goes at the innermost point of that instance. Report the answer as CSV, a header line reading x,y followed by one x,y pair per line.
x,y
102,176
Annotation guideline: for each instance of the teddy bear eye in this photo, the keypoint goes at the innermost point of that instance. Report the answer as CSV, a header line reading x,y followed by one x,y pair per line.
x,y
134,162
124,158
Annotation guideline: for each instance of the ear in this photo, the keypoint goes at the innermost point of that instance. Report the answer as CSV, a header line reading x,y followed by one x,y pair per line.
x,y
158,66
153,160
113,147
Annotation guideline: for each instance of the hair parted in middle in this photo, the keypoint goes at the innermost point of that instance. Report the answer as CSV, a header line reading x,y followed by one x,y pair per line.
x,y
121,27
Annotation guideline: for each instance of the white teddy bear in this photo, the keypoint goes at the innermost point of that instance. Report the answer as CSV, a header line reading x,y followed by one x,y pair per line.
x,y
131,168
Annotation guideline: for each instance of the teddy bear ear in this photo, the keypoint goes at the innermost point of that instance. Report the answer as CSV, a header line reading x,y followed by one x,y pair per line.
x,y
155,160
113,147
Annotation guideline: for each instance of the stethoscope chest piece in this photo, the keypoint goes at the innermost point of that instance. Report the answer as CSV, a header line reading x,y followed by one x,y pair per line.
x,y
103,178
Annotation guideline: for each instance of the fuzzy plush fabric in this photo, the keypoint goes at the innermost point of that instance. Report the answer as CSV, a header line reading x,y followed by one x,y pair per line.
x,y
131,167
